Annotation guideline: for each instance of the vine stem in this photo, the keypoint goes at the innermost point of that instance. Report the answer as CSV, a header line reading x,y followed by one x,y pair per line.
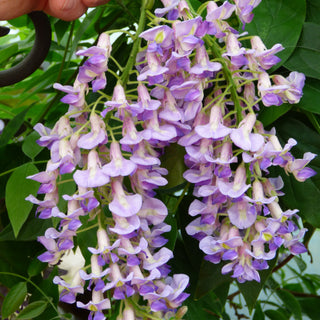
x,y
136,45
227,75
37,287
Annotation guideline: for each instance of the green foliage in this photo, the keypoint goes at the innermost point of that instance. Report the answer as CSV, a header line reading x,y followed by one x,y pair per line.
x,y
303,196
14,299
33,310
306,54
275,18
17,189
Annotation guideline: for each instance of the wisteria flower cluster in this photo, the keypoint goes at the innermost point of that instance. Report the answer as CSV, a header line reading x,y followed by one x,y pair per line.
x,y
197,87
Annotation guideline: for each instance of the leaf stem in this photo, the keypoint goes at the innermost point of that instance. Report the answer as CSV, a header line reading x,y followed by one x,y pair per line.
x,y
136,45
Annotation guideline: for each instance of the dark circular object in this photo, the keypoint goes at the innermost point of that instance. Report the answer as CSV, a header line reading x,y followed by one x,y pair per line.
x,y
36,56
4,31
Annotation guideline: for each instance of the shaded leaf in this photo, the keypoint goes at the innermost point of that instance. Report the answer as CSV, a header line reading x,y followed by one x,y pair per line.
x,y
33,310
311,96
301,195
310,307
305,57
66,186
12,127
258,313
29,146
173,161
251,289
204,308
210,278
35,267
313,11
14,257
17,189
291,303
275,315
270,114
14,299
87,238
275,18
8,52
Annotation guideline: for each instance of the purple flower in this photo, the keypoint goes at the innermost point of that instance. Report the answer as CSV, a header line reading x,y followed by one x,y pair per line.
x,y
156,131
96,306
75,96
69,292
125,226
217,249
298,169
265,58
144,155
119,166
242,136
237,187
216,15
244,9
158,259
235,52
204,173
124,205
214,129
154,70
295,82
187,35
242,267
96,136
93,176
169,7
95,67
144,101
161,35
202,65
242,214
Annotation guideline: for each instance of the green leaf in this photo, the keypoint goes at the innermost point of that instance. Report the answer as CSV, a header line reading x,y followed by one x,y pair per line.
x,y
17,189
31,229
85,24
291,303
66,186
14,257
210,278
305,57
270,114
173,161
313,11
49,292
8,52
12,127
303,196
302,265
275,315
204,308
29,147
14,299
251,289
310,307
275,18
20,21
33,310
35,267
258,313
311,96
60,28
87,238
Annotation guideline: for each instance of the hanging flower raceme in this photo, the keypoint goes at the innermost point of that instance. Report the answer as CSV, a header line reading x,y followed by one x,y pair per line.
x,y
185,95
